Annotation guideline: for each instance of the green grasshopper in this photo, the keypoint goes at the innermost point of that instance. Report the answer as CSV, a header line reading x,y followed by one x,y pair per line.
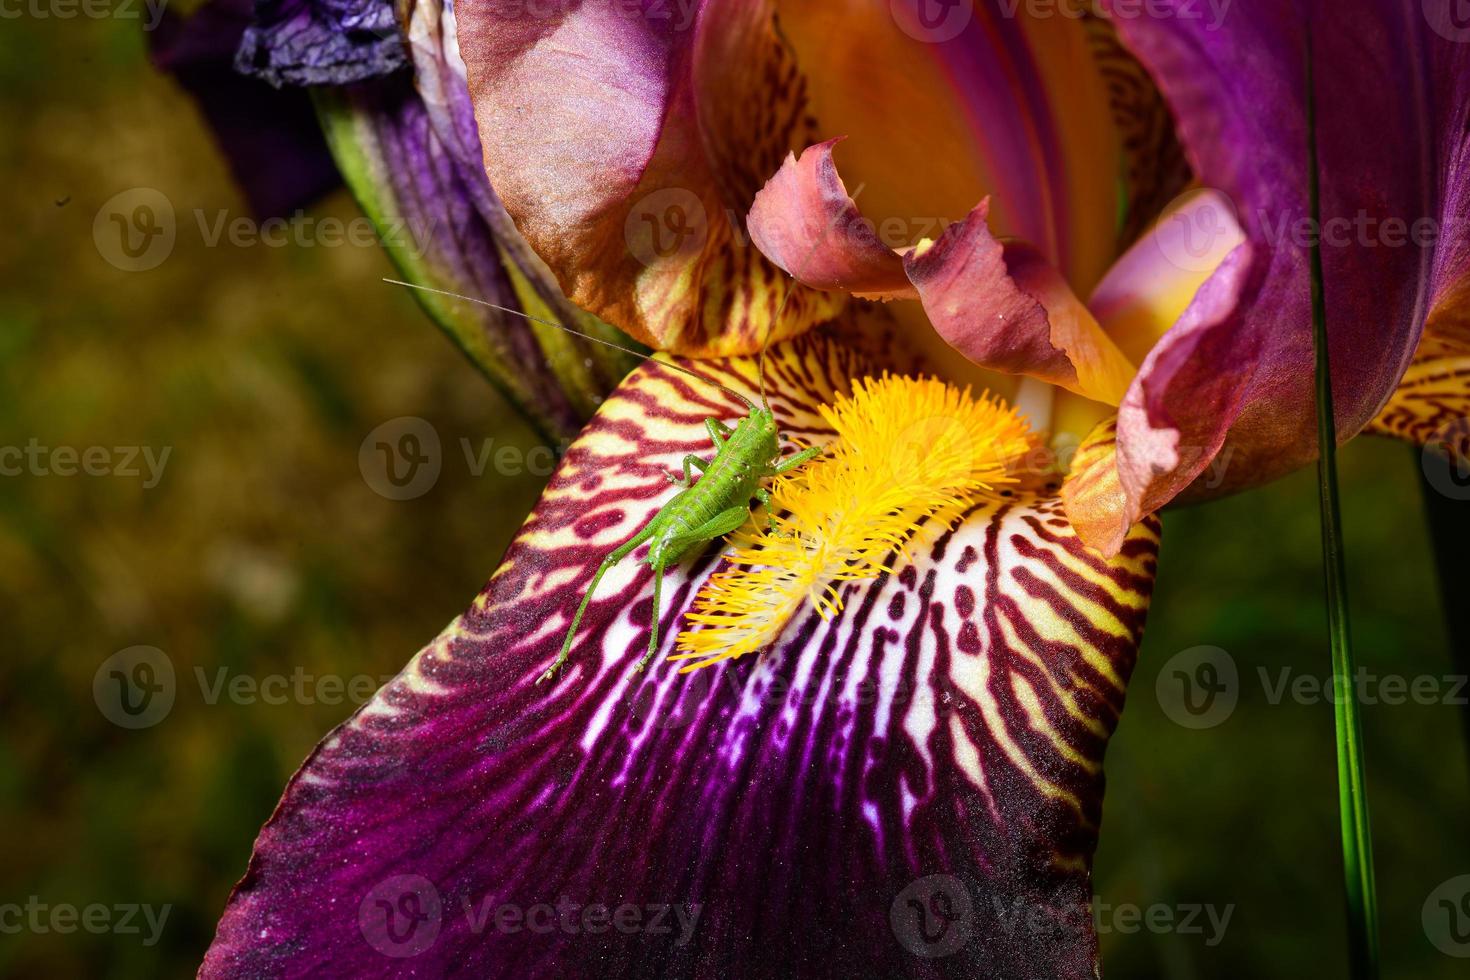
x,y
704,510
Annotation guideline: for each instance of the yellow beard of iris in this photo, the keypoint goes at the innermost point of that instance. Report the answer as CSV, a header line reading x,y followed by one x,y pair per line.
x,y
907,450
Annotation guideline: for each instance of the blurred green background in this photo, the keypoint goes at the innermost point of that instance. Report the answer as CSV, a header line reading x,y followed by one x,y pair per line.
x,y
262,551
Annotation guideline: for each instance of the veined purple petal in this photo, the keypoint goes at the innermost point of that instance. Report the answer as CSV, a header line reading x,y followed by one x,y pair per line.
x,y
424,208
439,77
322,42
1391,112
906,790
1449,310
590,125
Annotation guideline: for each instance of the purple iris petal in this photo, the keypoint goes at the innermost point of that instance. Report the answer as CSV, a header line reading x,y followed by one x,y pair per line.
x,y
909,789
1391,97
429,205
322,42
439,76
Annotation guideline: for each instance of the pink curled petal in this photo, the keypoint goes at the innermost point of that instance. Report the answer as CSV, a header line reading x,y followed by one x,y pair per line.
x,y
1165,440
1004,307
804,221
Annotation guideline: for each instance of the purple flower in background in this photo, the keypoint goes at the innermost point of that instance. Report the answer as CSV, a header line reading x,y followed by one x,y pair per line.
x,y
321,42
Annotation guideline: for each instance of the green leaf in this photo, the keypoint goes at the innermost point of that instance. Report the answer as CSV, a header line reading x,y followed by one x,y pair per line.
x,y
1357,840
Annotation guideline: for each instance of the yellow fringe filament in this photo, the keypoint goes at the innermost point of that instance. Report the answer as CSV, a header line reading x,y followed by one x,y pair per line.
x,y
907,450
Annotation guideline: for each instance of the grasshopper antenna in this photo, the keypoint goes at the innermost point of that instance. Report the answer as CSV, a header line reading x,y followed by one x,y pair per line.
x,y
577,333
760,369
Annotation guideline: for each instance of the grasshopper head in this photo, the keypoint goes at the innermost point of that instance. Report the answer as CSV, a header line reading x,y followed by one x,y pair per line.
x,y
766,420
761,423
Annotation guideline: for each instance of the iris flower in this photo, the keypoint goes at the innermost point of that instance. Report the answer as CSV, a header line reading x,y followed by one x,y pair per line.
x,y
905,777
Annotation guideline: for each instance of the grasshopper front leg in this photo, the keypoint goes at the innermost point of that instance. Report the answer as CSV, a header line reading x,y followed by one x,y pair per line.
x,y
800,459
687,480
623,551
718,431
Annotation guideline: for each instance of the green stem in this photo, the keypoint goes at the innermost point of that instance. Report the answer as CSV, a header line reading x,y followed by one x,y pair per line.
x,y
1357,841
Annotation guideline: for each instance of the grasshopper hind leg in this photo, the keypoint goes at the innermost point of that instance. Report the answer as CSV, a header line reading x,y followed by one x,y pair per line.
x,y
621,552
716,527
658,583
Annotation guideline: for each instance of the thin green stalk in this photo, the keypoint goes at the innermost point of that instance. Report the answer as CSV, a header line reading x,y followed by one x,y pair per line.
x,y
1357,841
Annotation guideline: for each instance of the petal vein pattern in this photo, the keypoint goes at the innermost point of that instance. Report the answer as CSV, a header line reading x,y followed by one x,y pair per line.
x,y
949,721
